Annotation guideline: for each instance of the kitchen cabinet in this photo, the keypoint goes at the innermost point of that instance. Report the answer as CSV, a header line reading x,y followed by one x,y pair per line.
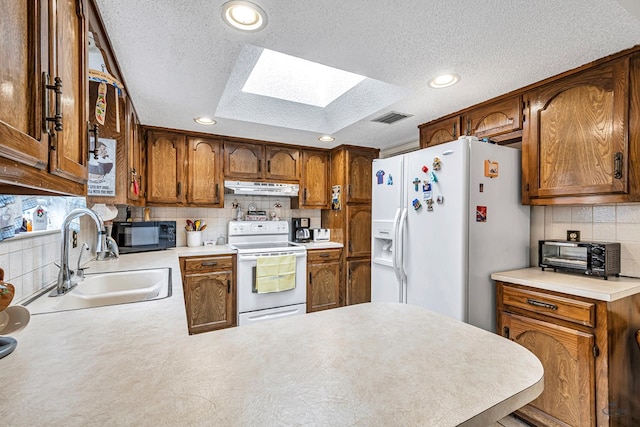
x,y
358,283
323,285
283,163
135,158
587,349
575,140
251,161
494,119
359,175
165,167
43,114
358,231
205,181
243,161
209,285
314,181
439,131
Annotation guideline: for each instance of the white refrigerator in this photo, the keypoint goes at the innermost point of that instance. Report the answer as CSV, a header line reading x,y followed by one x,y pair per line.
x,y
443,219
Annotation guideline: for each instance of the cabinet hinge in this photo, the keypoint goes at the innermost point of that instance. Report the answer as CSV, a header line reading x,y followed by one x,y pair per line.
x,y
596,351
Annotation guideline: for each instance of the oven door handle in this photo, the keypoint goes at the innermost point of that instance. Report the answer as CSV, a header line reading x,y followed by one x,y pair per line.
x,y
255,257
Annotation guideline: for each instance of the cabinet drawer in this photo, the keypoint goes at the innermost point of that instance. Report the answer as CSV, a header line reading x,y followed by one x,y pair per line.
x,y
573,310
320,255
206,264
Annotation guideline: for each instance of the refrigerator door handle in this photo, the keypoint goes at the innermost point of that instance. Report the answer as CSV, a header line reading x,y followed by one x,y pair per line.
x,y
396,268
399,256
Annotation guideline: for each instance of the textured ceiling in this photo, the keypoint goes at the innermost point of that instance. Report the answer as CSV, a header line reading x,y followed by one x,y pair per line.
x,y
177,57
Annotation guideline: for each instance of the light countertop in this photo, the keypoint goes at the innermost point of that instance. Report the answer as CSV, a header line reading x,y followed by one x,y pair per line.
x,y
369,364
322,245
612,289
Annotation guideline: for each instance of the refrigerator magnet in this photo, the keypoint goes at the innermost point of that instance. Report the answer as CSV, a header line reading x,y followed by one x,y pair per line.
x,y
433,177
436,163
440,199
416,183
490,169
390,180
427,194
416,204
430,205
481,214
380,175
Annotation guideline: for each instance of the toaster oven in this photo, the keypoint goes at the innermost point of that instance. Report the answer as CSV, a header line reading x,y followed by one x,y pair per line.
x,y
591,258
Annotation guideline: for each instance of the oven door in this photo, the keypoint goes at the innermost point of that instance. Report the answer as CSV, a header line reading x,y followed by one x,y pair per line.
x,y
250,300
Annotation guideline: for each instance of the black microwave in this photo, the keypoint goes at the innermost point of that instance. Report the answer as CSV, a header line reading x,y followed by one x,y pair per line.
x,y
143,236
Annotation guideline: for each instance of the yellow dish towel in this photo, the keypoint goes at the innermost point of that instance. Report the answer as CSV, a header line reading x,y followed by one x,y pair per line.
x,y
275,273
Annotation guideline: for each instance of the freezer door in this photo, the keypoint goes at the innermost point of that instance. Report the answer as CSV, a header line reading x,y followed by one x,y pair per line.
x,y
435,252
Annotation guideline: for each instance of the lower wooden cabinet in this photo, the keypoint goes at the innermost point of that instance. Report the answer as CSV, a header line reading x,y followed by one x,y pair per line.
x,y
323,284
587,348
209,285
358,283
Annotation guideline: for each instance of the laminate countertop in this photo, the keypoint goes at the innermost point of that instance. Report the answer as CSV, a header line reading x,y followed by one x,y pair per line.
x,y
612,289
368,364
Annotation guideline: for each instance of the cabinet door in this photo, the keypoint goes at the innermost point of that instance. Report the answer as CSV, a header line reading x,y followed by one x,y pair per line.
x,y
314,184
22,135
358,231
359,176
574,138
439,132
243,160
135,156
165,167
205,174
494,119
323,287
569,370
209,301
358,282
283,164
67,60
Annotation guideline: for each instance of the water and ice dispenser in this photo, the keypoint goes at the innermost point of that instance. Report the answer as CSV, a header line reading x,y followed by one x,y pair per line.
x,y
383,242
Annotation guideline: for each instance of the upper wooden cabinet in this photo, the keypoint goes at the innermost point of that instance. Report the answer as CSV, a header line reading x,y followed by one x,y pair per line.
x,y
205,184
314,181
243,161
494,119
43,119
576,135
439,132
261,162
135,158
165,167
283,163
359,176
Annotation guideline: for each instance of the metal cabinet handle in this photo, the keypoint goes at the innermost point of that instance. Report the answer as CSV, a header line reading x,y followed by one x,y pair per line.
x,y
541,304
304,195
228,286
94,130
505,332
350,246
617,165
259,165
209,263
179,189
217,194
269,166
455,130
57,89
324,255
310,278
469,126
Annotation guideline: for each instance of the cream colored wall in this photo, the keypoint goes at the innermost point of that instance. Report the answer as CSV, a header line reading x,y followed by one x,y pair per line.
x,y
603,223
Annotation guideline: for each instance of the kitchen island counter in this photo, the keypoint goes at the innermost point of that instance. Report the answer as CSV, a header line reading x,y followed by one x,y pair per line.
x,y
368,364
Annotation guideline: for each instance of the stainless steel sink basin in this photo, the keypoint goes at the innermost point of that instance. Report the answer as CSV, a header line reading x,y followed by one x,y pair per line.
x,y
96,290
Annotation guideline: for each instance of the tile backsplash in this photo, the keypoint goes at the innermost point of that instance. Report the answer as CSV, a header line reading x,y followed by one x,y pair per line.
x,y
603,223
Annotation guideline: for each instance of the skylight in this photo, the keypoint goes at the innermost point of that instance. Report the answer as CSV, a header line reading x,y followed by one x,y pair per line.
x,y
286,77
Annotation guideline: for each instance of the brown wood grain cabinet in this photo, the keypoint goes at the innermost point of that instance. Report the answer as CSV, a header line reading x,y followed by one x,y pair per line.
x,y
136,159
205,186
587,349
282,163
494,119
358,283
166,182
439,131
314,181
209,285
253,161
358,185
323,284
575,136
358,230
43,52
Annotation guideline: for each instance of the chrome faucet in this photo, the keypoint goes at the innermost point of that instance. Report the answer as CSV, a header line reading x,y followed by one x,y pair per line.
x,y
65,282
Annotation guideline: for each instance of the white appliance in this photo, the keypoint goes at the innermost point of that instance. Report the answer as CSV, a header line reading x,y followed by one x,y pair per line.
x,y
254,239
443,219
321,234
261,188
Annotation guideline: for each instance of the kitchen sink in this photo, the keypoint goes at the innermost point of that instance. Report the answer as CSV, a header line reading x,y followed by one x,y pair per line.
x,y
100,289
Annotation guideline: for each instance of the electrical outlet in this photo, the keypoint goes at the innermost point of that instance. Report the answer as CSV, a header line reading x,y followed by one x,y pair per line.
x,y
74,239
573,235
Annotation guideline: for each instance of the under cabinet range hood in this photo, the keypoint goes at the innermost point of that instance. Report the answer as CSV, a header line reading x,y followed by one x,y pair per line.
x,y
261,188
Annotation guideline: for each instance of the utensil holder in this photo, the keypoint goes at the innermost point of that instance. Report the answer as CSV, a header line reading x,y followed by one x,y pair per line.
x,y
194,238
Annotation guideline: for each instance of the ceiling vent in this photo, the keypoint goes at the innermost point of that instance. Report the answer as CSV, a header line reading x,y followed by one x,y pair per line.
x,y
391,117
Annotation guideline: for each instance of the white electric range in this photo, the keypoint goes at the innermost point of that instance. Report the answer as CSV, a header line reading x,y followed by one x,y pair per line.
x,y
254,239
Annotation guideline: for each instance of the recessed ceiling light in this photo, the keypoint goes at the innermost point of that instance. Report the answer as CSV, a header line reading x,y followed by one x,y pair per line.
x,y
207,121
244,15
326,138
444,80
